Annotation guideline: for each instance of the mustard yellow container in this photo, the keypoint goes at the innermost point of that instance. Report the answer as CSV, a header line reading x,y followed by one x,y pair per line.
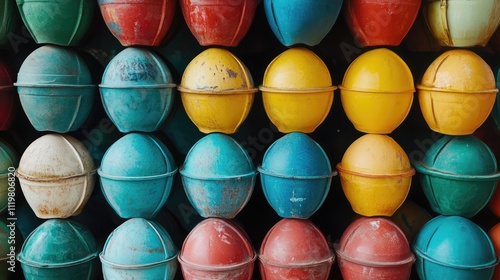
x,y
217,91
375,174
297,91
457,93
377,91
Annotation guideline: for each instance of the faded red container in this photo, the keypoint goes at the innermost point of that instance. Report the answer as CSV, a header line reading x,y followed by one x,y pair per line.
x,y
219,22
382,22
8,98
138,22
217,249
374,248
295,249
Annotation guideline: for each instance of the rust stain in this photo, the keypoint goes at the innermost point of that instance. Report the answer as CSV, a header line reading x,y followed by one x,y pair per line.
x,y
43,211
156,250
46,211
231,73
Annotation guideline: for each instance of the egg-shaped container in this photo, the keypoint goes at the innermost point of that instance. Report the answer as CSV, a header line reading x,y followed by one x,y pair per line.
x,y
297,91
219,22
55,88
9,21
462,23
374,248
377,91
375,166
410,218
8,96
458,175
453,247
457,92
137,168
380,23
137,90
295,175
57,175
217,91
295,249
218,176
139,249
138,22
9,161
494,235
217,249
59,249
59,22
301,21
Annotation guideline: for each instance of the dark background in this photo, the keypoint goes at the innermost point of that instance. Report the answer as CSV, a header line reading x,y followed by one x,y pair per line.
x,y
256,50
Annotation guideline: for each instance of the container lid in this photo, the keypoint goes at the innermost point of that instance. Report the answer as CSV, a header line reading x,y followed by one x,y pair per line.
x,y
459,71
137,155
297,69
136,67
217,156
376,155
51,65
455,241
218,71
374,241
459,157
8,157
297,155
58,243
138,242
216,244
55,156
381,71
295,242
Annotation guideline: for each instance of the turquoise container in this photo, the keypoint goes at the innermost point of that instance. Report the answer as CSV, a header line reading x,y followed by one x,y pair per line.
x,y
9,161
137,90
301,21
296,175
458,175
59,22
453,247
139,249
55,89
136,175
59,249
218,176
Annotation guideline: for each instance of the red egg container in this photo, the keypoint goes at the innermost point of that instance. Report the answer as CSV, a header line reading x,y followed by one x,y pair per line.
x,y
138,22
380,23
295,249
219,22
374,248
217,249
